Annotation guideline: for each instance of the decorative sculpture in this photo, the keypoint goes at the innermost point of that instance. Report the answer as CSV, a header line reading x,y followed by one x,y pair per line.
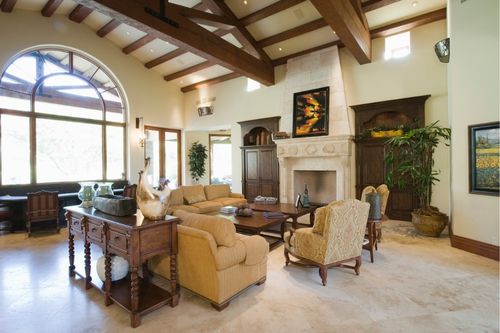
x,y
152,203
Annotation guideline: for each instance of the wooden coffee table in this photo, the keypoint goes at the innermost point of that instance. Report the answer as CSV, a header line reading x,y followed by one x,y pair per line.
x,y
256,224
288,209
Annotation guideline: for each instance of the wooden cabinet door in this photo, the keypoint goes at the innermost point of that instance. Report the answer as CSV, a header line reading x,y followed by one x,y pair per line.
x,y
251,165
267,164
252,189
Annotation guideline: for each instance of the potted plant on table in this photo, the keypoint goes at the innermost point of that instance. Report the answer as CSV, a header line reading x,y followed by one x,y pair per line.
x,y
410,163
197,156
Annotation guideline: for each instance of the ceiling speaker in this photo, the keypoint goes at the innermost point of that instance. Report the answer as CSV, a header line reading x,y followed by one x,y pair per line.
x,y
442,49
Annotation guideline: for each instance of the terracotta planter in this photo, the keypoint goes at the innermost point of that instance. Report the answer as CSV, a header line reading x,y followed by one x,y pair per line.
x,y
427,225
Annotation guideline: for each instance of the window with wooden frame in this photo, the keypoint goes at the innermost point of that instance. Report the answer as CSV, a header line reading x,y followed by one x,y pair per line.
x,y
62,119
163,147
220,157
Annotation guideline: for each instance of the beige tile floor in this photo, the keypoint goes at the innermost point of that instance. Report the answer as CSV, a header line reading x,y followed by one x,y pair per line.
x,y
416,284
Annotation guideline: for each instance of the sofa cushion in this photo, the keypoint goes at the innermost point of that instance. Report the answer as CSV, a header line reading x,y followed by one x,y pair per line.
x,y
187,208
208,206
220,228
231,201
217,191
176,197
193,194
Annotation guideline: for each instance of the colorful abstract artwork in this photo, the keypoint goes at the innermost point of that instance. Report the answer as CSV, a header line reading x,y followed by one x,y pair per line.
x,y
484,158
310,112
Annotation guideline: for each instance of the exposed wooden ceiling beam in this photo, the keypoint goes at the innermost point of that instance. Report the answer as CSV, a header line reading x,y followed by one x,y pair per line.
x,y
108,27
294,32
269,10
241,33
283,60
344,19
7,5
188,71
185,34
80,13
390,29
50,7
376,4
210,82
201,17
137,44
164,58
409,24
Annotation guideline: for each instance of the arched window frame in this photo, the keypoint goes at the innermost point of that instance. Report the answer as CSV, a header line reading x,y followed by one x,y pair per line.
x,y
33,115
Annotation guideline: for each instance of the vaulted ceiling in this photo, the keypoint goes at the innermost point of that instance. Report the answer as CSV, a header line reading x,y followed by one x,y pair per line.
x,y
194,43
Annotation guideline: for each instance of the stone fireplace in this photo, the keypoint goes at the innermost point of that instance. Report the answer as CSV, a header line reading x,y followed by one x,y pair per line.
x,y
324,163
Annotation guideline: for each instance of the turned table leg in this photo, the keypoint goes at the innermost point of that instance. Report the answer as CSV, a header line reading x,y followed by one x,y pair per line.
x,y
135,318
88,278
173,281
107,282
71,244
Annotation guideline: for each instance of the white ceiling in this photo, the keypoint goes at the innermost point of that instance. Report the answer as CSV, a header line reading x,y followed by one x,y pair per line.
x,y
290,18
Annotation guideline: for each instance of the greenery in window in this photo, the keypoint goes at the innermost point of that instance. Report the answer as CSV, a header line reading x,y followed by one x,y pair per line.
x,y
197,156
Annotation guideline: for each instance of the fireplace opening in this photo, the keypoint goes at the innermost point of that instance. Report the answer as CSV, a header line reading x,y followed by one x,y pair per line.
x,y
321,185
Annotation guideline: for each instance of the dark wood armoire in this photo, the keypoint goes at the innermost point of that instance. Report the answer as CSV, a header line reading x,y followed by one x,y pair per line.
x,y
370,151
260,173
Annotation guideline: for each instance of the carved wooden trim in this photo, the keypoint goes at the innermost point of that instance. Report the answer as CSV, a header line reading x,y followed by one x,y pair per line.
x,y
473,246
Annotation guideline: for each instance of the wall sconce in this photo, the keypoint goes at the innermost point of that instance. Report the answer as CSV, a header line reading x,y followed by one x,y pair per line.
x,y
139,124
442,49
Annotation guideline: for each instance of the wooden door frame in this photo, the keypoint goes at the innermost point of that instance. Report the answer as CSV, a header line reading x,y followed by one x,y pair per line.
x,y
161,138
210,154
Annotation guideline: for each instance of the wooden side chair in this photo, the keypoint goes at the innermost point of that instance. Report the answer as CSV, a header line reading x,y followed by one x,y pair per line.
x,y
336,237
42,206
129,191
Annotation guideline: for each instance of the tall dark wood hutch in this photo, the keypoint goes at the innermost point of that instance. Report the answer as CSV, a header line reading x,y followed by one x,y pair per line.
x,y
260,173
370,168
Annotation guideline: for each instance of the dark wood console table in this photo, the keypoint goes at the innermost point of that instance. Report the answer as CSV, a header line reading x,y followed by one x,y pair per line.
x,y
134,238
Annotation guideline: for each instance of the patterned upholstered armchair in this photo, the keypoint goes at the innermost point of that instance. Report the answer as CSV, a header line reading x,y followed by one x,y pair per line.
x,y
383,190
336,237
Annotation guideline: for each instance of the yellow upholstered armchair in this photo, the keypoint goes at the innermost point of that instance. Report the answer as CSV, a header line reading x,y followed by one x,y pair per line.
x,y
336,237
213,260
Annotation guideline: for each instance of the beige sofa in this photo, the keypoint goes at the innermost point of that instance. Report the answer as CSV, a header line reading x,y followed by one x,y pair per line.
x,y
204,199
213,260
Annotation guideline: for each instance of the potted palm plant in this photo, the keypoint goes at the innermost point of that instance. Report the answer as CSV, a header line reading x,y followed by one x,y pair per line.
x,y
410,163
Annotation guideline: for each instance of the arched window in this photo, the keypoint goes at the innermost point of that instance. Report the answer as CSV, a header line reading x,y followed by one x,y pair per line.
x,y
62,119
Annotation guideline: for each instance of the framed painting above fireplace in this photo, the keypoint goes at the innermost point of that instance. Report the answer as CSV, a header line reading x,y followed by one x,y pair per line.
x,y
310,112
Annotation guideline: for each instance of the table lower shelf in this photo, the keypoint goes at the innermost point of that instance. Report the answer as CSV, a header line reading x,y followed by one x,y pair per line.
x,y
151,296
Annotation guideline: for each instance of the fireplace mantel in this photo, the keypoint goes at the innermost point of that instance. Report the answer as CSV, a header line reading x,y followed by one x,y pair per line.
x,y
322,153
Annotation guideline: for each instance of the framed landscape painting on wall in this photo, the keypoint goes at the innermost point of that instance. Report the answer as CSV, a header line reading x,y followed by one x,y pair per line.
x,y
484,158
310,112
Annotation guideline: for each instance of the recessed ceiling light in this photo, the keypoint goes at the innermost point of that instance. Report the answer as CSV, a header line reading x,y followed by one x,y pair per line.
x,y
128,33
151,50
245,2
414,3
181,82
280,49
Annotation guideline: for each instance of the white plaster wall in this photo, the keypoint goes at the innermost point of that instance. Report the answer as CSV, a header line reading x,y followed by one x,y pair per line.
x,y
420,73
474,89
148,95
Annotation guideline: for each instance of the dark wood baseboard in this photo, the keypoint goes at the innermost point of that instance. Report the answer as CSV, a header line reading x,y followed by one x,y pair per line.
x,y
476,247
